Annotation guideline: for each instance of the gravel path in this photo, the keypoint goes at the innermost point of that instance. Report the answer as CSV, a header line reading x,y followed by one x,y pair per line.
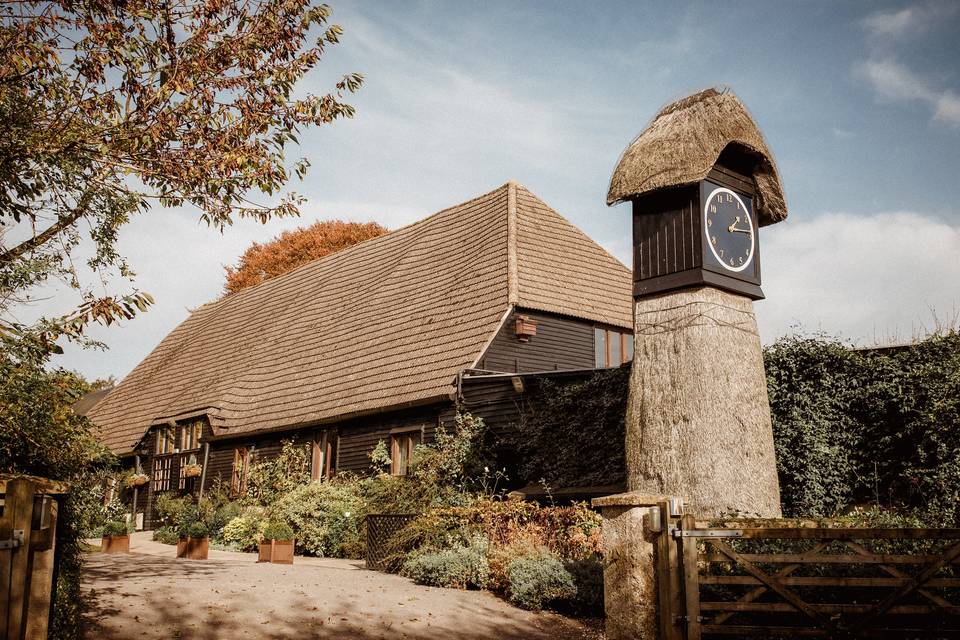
x,y
151,594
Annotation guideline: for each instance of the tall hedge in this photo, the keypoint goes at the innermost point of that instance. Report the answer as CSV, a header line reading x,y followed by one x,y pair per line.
x,y
855,427
572,434
850,427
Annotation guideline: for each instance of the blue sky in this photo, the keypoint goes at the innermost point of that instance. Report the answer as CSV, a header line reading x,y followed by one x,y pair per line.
x,y
860,103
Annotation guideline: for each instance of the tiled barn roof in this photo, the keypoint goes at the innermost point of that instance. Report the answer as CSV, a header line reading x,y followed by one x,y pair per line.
x,y
386,323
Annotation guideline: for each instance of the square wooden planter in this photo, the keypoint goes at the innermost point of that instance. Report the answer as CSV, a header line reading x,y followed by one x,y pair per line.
x,y
193,548
276,551
115,544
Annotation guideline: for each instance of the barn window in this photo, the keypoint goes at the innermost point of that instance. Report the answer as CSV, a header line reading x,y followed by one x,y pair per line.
x,y
190,435
612,347
323,462
161,474
241,465
165,440
401,450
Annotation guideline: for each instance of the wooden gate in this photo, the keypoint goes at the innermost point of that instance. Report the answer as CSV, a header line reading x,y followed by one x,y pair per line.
x,y
786,581
28,523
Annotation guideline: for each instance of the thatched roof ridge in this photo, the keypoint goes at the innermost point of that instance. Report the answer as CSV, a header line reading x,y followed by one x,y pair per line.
x,y
684,141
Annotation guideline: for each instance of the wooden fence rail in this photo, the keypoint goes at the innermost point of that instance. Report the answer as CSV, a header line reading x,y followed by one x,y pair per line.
x,y
784,582
28,524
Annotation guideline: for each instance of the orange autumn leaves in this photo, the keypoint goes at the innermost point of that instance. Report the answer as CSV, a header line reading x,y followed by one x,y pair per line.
x,y
291,249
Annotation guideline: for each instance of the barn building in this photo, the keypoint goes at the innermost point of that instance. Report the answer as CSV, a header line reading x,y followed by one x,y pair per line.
x,y
384,341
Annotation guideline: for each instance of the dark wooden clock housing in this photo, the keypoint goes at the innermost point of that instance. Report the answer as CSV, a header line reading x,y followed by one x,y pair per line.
x,y
670,248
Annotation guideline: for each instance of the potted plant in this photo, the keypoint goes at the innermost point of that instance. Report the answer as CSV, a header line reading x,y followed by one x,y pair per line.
x,y
191,469
116,537
194,542
277,544
137,479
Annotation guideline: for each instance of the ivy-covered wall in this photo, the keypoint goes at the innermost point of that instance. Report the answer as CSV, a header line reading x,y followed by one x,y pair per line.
x,y
850,427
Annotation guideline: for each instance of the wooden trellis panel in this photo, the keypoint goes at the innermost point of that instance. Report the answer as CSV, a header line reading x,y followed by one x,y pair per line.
x,y
381,528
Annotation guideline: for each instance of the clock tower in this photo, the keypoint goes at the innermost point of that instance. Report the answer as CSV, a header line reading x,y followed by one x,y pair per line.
x,y
702,183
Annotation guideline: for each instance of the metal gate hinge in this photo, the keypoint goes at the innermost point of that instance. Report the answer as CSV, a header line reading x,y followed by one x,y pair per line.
x,y
16,541
685,619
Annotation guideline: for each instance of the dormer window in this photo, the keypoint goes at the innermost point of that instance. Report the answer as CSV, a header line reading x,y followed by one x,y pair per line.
x,y
190,435
166,439
613,347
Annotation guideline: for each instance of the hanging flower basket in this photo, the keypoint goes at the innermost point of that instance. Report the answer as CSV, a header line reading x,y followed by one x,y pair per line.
x,y
192,471
138,480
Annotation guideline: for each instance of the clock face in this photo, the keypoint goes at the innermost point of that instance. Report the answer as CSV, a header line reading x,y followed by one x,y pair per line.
x,y
729,228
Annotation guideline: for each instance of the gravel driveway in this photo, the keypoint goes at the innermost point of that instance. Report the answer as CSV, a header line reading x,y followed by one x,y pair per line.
x,y
150,594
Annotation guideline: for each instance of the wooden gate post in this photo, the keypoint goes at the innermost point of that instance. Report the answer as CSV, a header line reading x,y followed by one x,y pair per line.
x,y
18,508
629,567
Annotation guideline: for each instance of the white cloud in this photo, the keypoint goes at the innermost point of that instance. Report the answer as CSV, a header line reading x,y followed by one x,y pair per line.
x,y
867,277
948,109
909,21
894,81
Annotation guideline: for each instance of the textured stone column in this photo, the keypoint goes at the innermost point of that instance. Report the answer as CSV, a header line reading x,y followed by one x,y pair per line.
x,y
629,579
698,418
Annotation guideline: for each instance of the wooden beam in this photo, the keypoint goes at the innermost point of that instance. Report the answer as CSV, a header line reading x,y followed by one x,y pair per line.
x,y
18,507
41,582
896,573
691,582
931,570
826,558
774,584
753,594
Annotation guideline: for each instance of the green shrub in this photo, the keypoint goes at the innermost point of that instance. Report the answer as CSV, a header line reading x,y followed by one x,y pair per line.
x,y
867,427
460,567
278,531
195,529
587,577
173,510
115,528
269,480
166,535
539,579
589,412
220,516
325,517
245,531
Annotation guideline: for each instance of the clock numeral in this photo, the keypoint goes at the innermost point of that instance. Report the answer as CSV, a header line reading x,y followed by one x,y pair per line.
x,y
741,259
709,222
729,197
721,255
713,208
731,262
713,240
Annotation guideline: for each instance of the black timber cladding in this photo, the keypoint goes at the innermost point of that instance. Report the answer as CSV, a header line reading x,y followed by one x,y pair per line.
x,y
668,247
561,343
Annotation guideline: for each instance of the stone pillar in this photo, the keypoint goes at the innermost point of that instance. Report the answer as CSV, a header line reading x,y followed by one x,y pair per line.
x,y
629,579
698,418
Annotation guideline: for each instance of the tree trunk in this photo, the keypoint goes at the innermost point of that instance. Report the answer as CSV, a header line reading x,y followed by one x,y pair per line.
x,y
698,417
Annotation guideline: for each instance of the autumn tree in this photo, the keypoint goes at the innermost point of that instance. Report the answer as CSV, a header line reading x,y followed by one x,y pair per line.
x,y
292,248
109,110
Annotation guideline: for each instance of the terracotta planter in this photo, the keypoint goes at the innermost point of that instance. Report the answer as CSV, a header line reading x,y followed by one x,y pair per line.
x,y
277,551
115,544
193,548
192,471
